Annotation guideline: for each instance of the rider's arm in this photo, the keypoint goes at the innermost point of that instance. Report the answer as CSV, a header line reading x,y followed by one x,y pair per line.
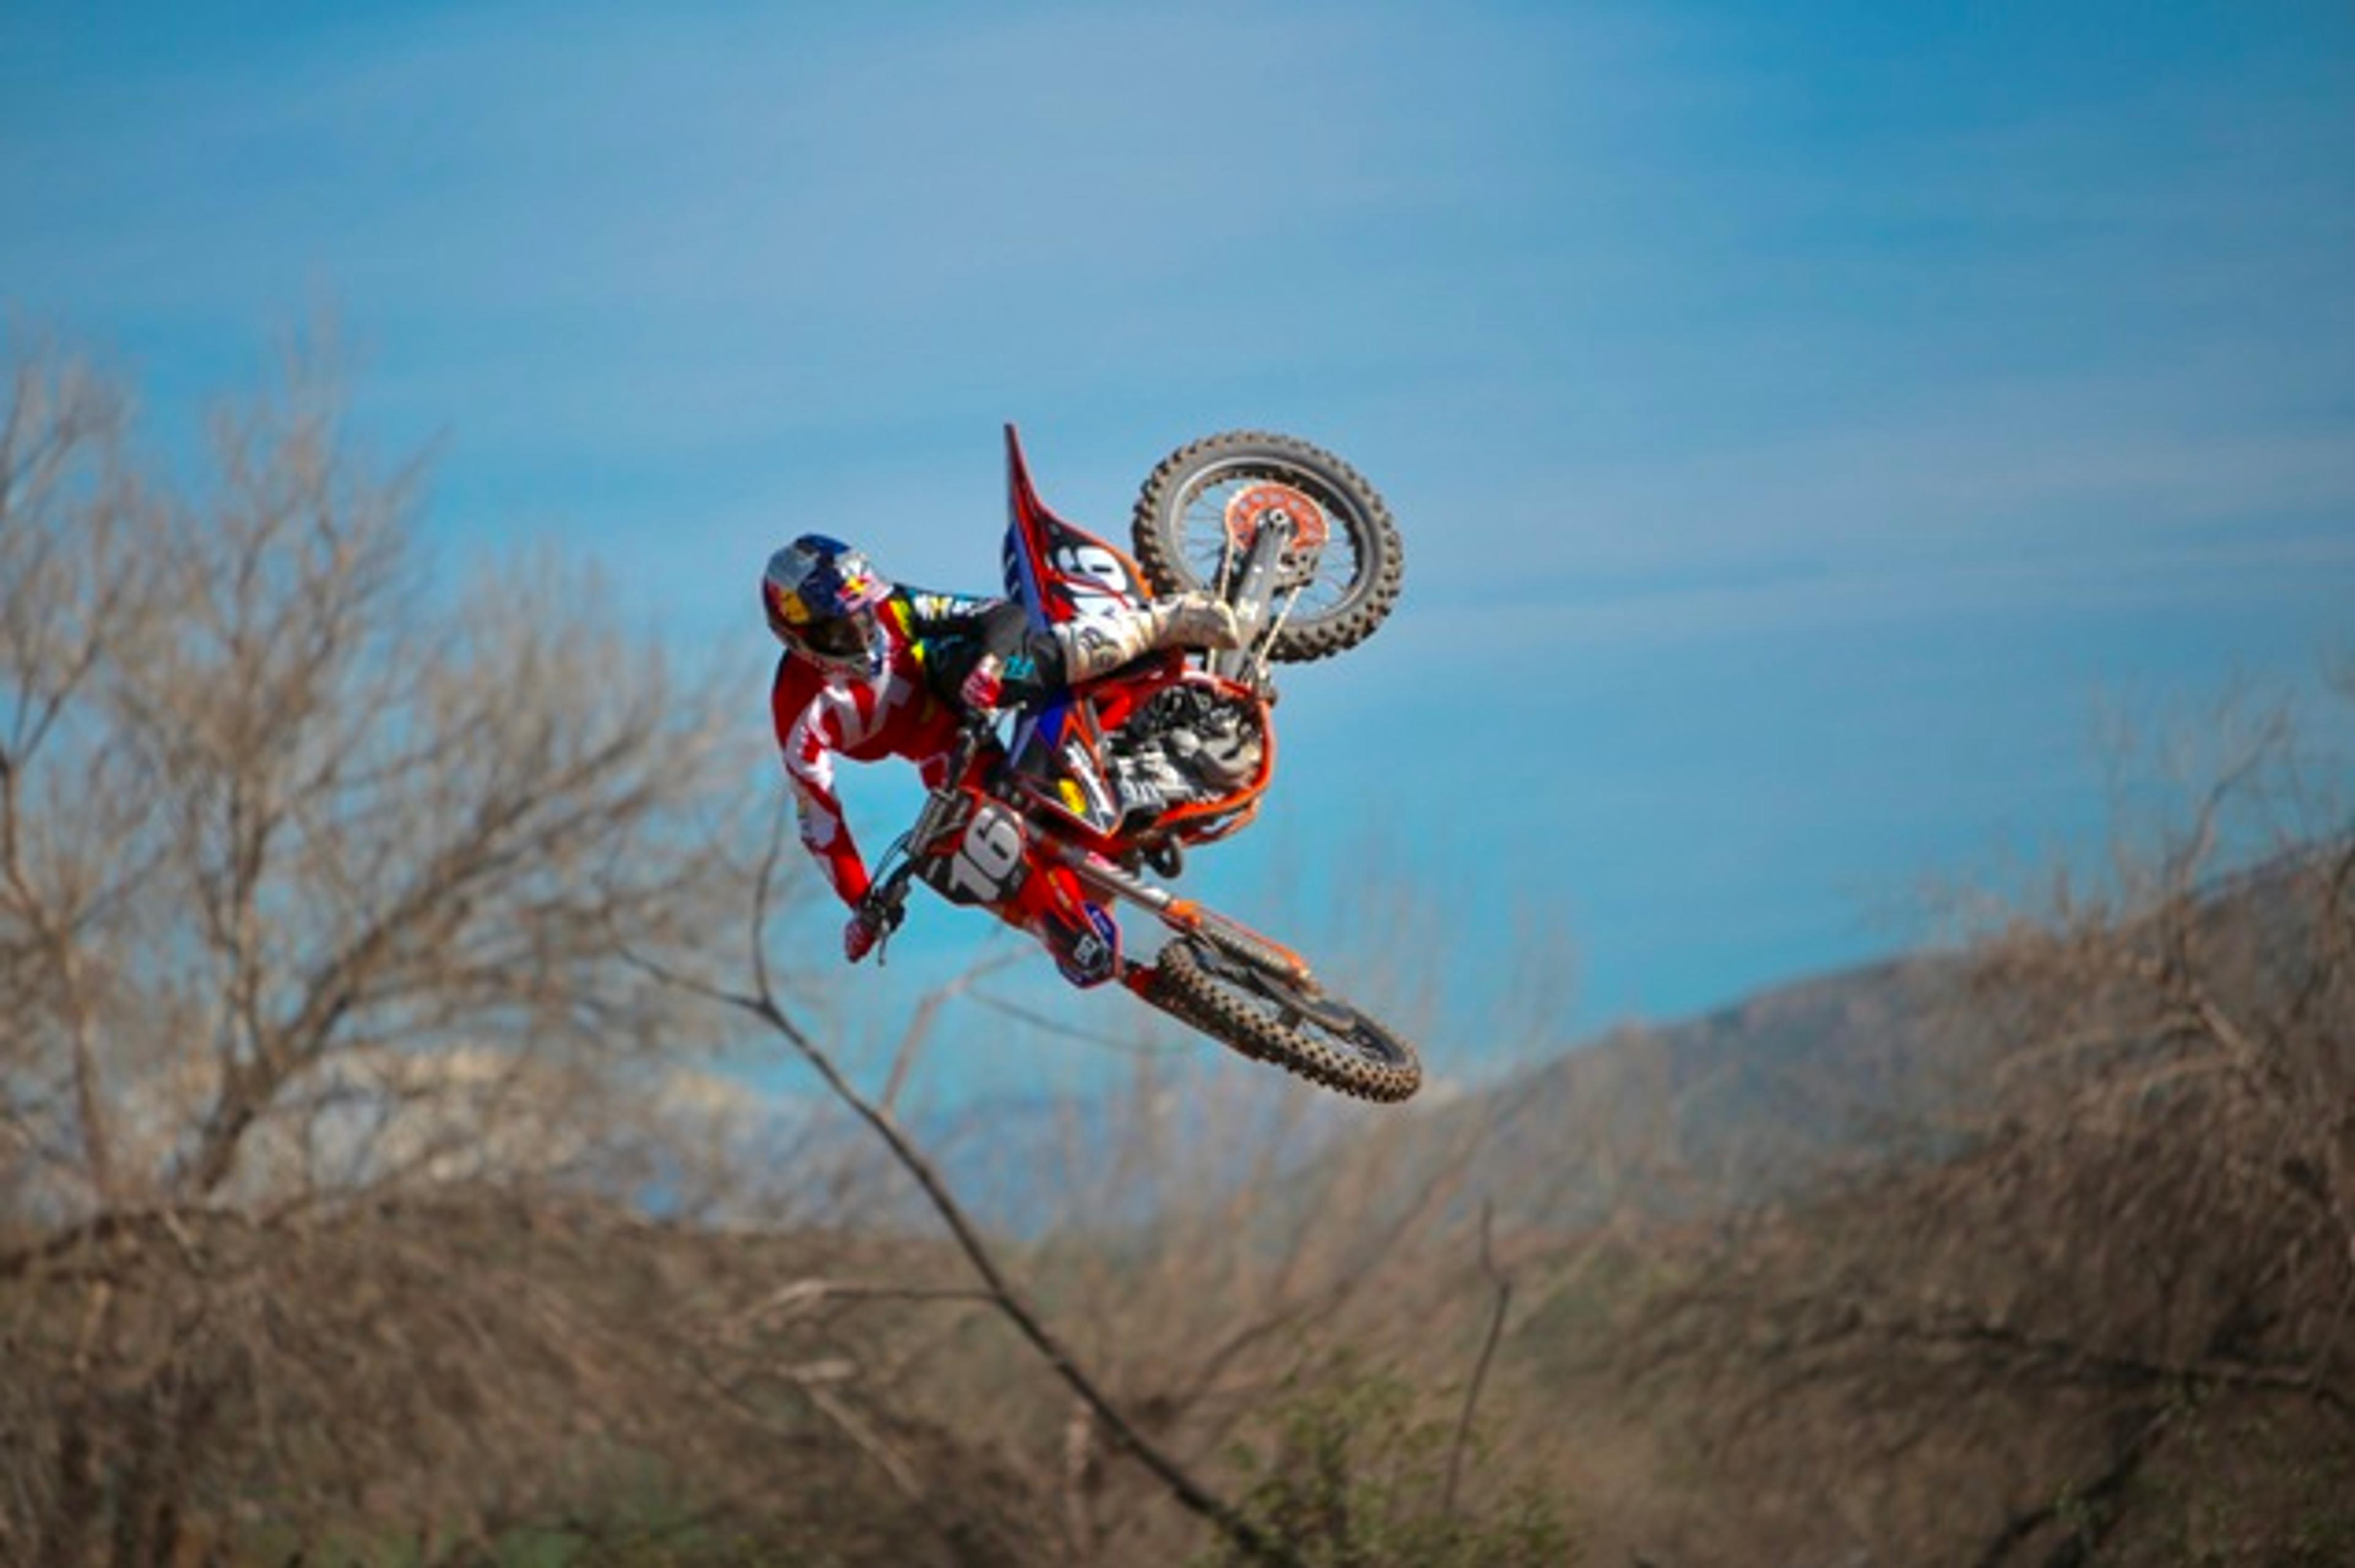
x,y
1021,664
810,740
930,614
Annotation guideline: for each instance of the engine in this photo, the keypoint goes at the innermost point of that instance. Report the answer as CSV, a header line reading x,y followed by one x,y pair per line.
x,y
1189,743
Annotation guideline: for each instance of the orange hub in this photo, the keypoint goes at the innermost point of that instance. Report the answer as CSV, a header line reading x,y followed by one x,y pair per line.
x,y
1255,504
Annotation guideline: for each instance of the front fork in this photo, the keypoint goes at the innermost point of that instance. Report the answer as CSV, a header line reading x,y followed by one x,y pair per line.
x,y
1252,590
1109,882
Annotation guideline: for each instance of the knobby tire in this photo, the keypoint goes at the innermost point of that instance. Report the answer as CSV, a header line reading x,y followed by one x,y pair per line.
x,y
1157,530
1370,1062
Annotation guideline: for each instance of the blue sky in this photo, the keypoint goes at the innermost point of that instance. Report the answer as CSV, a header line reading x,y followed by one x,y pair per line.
x,y
1803,418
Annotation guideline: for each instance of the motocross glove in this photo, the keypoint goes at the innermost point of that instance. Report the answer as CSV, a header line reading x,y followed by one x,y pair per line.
x,y
985,686
859,935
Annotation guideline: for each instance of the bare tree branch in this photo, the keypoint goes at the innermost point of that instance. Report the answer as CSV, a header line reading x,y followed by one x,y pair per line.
x,y
1504,1288
763,1004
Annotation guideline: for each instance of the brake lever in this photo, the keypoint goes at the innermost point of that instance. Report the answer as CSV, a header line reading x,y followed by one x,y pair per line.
x,y
886,907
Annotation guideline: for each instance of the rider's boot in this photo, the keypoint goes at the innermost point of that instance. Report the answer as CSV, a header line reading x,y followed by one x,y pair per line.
x,y
1098,643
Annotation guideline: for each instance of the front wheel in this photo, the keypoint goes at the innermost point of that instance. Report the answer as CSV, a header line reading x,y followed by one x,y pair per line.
x,y
1199,510
1319,1038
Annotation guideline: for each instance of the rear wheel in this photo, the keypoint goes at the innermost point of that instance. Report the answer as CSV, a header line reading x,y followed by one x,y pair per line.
x,y
1317,1037
1199,510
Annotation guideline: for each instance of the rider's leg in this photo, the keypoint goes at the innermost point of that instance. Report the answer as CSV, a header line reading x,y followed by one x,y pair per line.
x,y
1096,643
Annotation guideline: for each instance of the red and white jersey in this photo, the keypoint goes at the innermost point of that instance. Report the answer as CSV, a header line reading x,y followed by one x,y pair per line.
x,y
894,712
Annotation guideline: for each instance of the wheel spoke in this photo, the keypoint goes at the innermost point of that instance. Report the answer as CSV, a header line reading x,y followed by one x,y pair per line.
x,y
1334,595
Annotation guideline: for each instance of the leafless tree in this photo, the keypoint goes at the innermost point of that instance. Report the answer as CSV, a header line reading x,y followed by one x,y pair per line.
x,y
2114,1308
300,879
320,1073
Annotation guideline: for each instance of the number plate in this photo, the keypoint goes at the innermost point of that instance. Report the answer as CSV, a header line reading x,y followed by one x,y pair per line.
x,y
987,866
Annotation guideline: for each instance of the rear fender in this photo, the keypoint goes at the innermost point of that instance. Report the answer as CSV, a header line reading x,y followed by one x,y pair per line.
x,y
1059,572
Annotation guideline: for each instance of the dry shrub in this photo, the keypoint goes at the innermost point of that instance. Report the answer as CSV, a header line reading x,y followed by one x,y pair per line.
x,y
2031,1345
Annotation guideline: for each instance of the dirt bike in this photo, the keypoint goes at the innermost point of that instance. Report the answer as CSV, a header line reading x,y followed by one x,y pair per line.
x,y
1120,777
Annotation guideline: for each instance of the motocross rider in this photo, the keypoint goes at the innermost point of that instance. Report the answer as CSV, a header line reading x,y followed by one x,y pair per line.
x,y
872,669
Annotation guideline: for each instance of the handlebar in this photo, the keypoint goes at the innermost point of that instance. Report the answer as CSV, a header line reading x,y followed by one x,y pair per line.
x,y
886,902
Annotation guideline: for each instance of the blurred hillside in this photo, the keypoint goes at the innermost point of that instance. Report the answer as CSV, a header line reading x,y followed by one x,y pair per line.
x,y
1746,1104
